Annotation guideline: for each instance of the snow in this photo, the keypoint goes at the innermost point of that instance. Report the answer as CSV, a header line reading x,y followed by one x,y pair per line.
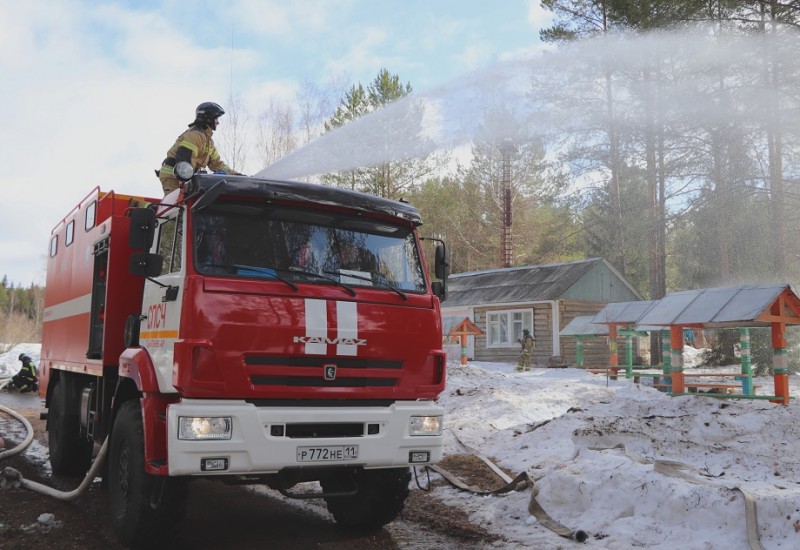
x,y
9,361
13,430
564,427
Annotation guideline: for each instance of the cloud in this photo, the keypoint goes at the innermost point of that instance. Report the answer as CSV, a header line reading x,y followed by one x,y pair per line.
x,y
296,20
361,56
98,91
99,95
260,95
538,17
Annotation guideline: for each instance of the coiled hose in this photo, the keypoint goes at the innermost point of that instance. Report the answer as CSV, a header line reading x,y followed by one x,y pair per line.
x,y
15,476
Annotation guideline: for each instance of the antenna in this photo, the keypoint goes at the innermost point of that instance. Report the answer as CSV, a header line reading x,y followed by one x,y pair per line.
x,y
230,83
507,148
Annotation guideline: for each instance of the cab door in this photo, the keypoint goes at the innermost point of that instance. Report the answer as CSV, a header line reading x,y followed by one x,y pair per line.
x,y
163,298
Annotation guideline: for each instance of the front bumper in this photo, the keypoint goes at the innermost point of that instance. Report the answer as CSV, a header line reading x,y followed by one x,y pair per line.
x,y
257,447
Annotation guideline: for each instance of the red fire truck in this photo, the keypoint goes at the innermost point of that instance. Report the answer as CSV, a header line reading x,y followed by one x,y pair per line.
x,y
255,331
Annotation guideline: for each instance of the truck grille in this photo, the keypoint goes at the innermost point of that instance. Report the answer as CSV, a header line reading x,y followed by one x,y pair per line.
x,y
321,382
317,377
347,363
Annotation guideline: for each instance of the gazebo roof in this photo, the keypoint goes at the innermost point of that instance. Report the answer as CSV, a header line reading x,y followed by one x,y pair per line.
x,y
622,313
583,326
740,306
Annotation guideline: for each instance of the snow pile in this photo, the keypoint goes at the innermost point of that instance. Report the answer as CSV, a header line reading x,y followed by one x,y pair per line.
x,y
564,427
9,361
44,524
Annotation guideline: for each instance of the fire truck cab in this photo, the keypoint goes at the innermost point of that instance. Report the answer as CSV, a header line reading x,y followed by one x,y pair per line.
x,y
252,330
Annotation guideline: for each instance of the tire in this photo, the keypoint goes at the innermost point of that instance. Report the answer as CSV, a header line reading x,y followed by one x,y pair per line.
x,y
70,453
144,508
380,498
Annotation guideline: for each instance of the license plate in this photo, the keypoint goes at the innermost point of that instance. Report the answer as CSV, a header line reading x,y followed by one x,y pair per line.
x,y
329,453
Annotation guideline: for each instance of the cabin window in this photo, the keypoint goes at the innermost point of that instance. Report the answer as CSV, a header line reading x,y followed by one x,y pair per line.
x,y
170,244
91,215
504,328
70,235
53,246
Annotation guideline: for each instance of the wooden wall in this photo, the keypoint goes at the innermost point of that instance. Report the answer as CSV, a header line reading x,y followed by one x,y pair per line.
x,y
595,350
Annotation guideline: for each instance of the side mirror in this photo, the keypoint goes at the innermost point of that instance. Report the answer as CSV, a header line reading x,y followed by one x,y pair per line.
x,y
441,268
439,289
143,228
441,263
145,264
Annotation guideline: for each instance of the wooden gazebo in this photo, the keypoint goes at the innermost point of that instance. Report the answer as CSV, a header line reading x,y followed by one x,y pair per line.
x,y
583,327
622,318
772,306
461,331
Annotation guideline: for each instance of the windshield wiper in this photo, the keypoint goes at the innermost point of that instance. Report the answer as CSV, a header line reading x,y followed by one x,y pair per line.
x,y
259,270
300,271
381,284
236,269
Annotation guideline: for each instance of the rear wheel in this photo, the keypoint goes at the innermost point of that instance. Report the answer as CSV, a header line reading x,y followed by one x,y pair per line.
x,y
70,453
144,508
380,498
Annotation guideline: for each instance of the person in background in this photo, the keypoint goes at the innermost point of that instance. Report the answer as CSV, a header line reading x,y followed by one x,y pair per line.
x,y
525,353
196,147
27,379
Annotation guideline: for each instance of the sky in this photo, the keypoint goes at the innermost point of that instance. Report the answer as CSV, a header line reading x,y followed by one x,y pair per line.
x,y
95,92
592,446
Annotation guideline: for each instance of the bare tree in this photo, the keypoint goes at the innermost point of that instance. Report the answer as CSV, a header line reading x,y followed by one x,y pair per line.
x,y
233,134
275,130
316,103
18,328
284,126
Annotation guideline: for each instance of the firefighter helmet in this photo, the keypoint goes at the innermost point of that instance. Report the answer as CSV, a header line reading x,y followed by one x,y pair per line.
x,y
208,112
23,357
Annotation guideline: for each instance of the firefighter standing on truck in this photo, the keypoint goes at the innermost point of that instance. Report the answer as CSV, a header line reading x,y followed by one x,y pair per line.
x,y
196,147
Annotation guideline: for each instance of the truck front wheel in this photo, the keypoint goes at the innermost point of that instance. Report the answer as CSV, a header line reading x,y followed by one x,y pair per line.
x,y
70,453
380,498
144,508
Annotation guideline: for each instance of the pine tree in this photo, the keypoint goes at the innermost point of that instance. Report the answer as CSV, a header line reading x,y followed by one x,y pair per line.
x,y
397,174
354,105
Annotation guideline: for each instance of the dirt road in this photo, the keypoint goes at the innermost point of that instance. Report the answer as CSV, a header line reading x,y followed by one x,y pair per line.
x,y
219,515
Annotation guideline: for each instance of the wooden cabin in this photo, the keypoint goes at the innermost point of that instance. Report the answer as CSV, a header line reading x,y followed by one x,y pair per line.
x,y
540,298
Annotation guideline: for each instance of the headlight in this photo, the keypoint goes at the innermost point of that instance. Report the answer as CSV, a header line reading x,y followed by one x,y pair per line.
x,y
425,425
195,428
183,171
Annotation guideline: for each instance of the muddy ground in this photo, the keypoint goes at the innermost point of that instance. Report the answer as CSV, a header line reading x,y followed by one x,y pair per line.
x,y
219,515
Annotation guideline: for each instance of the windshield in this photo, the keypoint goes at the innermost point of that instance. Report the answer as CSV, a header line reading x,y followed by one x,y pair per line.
x,y
240,239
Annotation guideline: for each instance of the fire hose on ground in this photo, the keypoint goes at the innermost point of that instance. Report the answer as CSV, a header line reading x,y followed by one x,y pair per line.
x,y
14,476
519,483
684,471
666,467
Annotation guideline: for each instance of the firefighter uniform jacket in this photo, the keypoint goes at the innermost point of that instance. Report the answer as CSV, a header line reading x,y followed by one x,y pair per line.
x,y
26,379
528,343
204,154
